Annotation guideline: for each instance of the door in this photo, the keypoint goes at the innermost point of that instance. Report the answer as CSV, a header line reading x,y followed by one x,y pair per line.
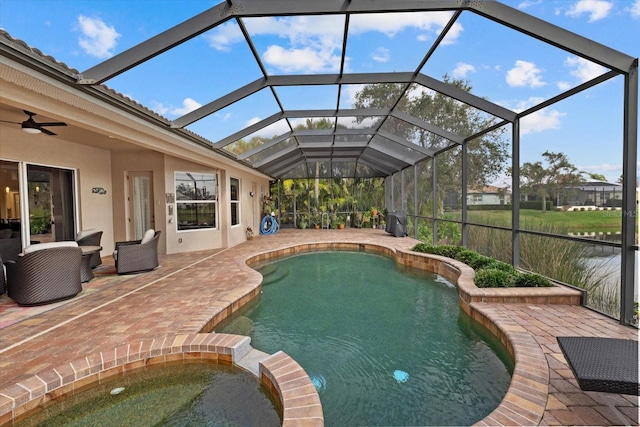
x,y
50,193
140,200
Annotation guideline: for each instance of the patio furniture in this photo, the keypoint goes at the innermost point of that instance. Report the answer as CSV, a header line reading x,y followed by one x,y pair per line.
x,y
86,268
3,280
136,256
10,244
607,365
91,237
45,273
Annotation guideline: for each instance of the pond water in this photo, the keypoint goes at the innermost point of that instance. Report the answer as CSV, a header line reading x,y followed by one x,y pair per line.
x,y
176,395
384,345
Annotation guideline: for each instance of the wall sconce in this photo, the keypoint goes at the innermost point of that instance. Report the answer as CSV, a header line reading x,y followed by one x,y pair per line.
x,y
250,193
99,190
37,189
7,189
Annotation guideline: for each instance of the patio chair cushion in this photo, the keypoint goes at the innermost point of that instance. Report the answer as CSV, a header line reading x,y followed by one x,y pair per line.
x,y
84,233
148,235
49,245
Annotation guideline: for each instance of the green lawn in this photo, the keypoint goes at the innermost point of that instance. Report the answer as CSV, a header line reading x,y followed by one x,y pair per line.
x,y
575,222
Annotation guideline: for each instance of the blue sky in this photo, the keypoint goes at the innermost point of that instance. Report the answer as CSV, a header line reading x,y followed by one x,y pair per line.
x,y
507,67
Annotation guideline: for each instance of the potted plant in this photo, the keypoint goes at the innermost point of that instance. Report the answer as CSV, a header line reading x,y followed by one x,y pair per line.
x,y
249,233
374,212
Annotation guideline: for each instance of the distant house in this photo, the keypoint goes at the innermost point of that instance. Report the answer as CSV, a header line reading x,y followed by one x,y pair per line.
x,y
595,193
488,195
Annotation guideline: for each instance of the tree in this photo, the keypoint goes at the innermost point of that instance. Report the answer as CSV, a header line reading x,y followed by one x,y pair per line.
x,y
487,155
543,180
596,177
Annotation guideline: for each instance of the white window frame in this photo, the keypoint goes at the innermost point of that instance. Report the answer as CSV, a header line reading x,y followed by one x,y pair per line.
x,y
213,200
234,202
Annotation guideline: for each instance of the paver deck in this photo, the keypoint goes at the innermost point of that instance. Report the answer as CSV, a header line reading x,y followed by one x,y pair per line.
x,y
191,292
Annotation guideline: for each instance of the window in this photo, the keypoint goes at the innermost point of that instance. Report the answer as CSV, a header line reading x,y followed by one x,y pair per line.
x,y
235,201
196,200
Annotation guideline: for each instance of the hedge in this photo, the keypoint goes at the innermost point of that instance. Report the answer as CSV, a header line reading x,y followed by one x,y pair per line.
x,y
490,273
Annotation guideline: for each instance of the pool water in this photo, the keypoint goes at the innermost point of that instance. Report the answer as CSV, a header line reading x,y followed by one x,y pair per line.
x,y
384,345
176,395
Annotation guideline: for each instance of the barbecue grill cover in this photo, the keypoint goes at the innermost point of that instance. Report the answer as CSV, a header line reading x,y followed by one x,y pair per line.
x,y
397,223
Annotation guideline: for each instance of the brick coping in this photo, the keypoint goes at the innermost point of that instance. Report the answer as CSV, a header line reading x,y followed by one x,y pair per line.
x,y
299,403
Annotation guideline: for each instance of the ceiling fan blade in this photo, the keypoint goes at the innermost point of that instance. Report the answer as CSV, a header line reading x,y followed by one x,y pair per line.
x,y
46,131
52,124
6,121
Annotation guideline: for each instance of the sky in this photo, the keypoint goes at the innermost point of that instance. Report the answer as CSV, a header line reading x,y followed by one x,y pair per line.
x,y
508,68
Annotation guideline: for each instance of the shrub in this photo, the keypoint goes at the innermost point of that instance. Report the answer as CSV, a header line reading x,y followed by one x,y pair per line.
x,y
499,265
490,273
443,250
523,280
493,278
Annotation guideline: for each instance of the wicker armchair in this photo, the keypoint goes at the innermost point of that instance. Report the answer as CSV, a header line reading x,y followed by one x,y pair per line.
x,y
45,273
91,237
3,280
136,256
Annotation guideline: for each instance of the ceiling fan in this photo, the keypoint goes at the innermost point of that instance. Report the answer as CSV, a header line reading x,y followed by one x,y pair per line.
x,y
31,126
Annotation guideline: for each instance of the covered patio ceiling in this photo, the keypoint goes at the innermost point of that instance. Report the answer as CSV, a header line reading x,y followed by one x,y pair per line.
x,y
359,140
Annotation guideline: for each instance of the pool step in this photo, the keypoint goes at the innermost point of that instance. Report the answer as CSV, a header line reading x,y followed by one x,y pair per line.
x,y
251,361
273,275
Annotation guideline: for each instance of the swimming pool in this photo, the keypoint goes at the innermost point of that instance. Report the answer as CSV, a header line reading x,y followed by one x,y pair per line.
x,y
384,345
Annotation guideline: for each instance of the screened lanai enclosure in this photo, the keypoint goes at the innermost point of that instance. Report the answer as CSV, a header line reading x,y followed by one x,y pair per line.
x,y
406,128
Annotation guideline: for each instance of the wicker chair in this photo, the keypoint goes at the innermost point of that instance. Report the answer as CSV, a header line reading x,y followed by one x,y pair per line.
x,y
91,237
136,256
3,280
45,273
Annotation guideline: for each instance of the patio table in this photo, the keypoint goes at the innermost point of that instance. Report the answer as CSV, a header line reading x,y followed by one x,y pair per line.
x,y
86,273
603,364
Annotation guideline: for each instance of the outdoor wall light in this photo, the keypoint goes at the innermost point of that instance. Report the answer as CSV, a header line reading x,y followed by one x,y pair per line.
x,y
250,193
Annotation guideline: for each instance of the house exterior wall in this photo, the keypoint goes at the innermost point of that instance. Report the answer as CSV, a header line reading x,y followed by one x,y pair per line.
x,y
93,166
488,199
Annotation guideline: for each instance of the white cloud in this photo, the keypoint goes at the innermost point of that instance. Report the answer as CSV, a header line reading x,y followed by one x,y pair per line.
x,y
564,85
305,60
583,69
188,105
381,55
541,120
317,40
393,23
635,9
224,36
524,74
97,39
463,69
528,3
597,9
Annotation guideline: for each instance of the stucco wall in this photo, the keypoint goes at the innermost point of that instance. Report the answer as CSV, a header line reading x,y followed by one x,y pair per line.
x,y
93,167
